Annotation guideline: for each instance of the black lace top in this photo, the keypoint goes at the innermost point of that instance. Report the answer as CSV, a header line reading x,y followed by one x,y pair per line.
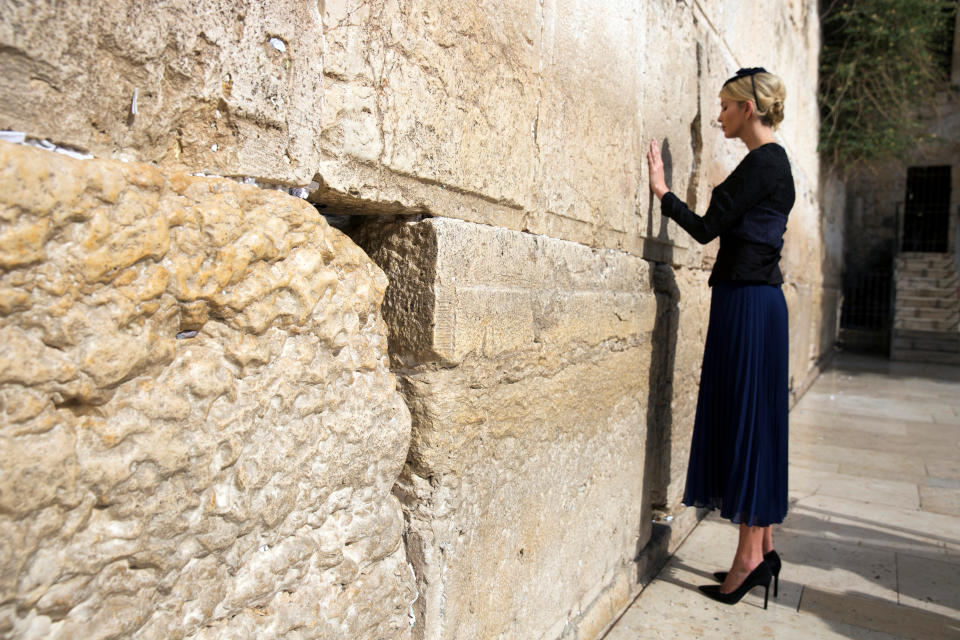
x,y
749,212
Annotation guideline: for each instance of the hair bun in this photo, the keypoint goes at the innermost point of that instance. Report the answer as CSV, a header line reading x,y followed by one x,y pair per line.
x,y
775,113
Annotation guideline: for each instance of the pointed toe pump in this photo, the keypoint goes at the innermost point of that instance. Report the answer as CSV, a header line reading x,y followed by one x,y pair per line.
x,y
773,560
759,577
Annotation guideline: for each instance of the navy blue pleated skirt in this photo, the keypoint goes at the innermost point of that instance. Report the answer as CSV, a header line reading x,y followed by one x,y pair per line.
x,y
738,457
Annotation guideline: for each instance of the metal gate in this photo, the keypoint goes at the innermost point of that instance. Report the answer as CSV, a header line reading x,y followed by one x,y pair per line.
x,y
926,210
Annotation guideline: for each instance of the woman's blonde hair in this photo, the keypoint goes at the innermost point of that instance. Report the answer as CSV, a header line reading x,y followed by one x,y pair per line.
x,y
766,90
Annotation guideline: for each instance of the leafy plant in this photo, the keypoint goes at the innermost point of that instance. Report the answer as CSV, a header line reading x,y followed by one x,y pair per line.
x,y
880,61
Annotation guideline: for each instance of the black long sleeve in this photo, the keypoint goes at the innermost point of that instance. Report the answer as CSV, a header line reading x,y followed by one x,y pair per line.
x,y
748,185
748,211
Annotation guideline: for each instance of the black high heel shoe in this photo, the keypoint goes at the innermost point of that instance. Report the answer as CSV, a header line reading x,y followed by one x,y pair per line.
x,y
771,559
759,577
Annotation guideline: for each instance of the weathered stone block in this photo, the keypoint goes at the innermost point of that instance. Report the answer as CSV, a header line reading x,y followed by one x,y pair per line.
x,y
199,430
226,87
527,376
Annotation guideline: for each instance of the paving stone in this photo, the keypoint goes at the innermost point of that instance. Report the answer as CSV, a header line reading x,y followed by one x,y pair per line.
x,y
894,524
946,469
838,565
878,464
871,545
877,615
929,584
832,421
940,500
813,464
890,492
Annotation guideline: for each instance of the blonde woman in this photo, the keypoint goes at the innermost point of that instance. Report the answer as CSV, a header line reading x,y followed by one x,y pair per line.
x,y
738,456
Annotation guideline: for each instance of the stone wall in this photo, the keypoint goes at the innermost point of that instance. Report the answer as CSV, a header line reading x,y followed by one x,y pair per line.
x,y
529,397
876,193
544,323
200,430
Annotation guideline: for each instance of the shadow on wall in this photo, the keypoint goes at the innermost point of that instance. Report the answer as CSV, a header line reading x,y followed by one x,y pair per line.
x,y
658,446
666,255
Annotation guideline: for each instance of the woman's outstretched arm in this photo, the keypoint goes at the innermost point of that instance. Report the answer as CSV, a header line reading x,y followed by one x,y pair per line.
x,y
658,184
742,189
671,206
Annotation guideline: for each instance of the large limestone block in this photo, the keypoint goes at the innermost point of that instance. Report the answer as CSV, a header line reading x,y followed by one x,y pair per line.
x,y
462,290
605,93
232,88
199,429
527,369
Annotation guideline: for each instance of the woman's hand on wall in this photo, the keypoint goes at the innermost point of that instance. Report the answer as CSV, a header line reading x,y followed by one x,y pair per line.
x,y
658,183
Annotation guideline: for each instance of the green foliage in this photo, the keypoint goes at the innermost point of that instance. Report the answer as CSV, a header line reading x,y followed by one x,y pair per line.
x,y
881,59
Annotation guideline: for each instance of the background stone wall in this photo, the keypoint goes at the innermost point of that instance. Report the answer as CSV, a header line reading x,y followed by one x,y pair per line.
x,y
544,323
875,200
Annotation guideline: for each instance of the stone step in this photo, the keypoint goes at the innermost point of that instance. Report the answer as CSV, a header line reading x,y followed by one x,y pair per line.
x,y
932,275
924,324
950,282
927,259
938,298
933,302
927,313
942,345
920,335
947,263
925,356
925,272
941,294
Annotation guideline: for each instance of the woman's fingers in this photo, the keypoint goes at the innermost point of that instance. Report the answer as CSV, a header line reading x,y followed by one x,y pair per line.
x,y
655,162
654,154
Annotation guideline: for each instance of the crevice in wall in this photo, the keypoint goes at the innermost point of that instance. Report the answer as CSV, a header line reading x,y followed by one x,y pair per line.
x,y
359,226
696,139
19,137
406,252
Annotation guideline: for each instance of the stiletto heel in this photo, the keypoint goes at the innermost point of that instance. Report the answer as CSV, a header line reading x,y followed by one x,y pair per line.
x,y
759,577
772,559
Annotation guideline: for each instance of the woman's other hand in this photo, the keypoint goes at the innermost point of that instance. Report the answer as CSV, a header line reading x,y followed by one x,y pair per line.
x,y
658,183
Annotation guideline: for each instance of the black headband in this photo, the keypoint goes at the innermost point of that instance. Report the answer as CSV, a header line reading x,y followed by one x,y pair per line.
x,y
743,73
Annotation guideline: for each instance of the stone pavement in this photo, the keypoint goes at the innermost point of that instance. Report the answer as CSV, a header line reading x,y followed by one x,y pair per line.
x,y
871,545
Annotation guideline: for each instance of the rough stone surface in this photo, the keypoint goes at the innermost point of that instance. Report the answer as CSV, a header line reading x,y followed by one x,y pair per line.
x,y
200,431
530,116
552,407
529,410
221,86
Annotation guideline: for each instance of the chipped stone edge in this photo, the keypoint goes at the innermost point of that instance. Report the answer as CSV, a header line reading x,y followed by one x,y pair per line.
x,y
21,138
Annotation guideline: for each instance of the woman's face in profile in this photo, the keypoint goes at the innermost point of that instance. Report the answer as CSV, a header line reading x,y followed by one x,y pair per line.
x,y
731,118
